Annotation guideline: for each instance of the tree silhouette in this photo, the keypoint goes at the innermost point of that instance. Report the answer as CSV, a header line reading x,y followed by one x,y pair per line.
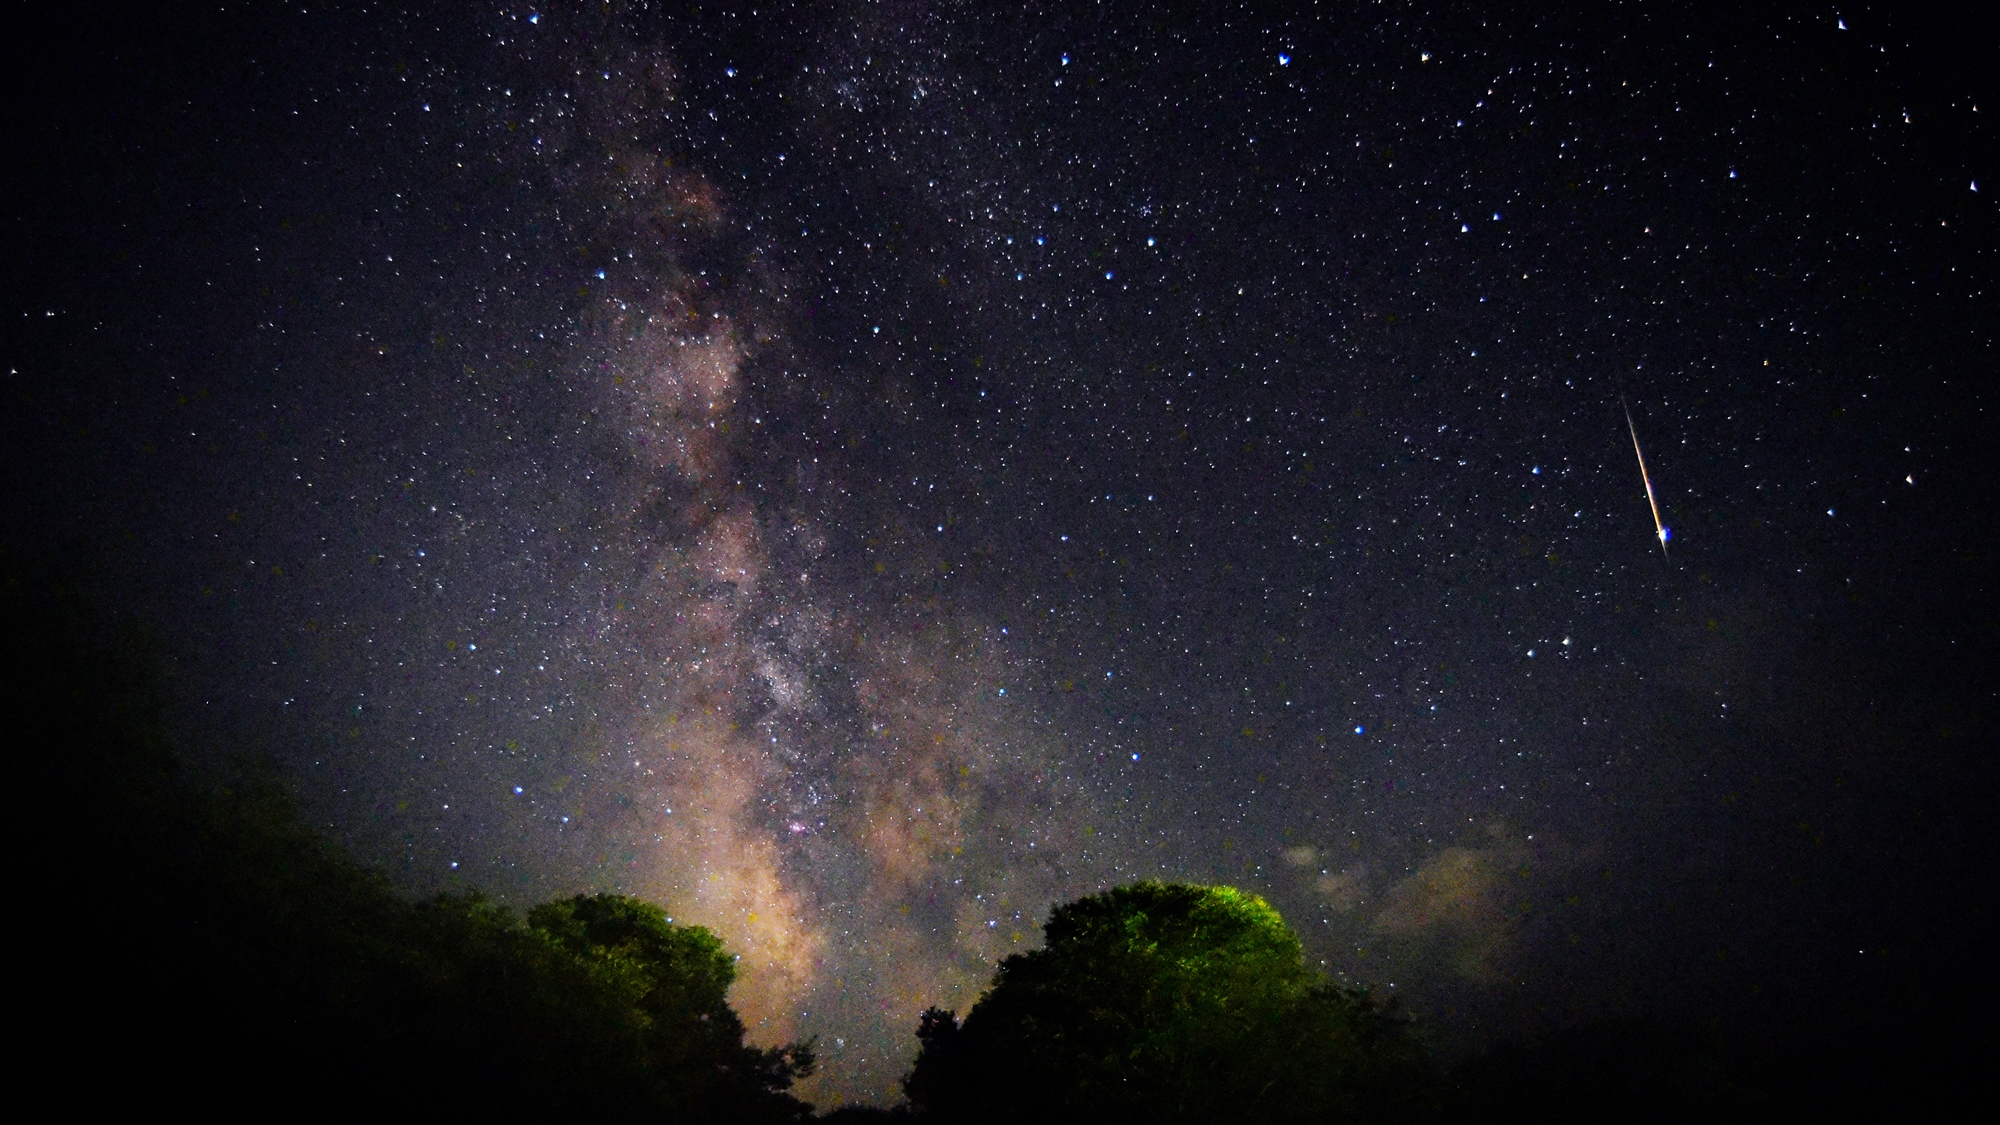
x,y
1165,1002
679,978
196,943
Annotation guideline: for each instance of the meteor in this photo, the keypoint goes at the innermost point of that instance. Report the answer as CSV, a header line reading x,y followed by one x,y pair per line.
x,y
1658,527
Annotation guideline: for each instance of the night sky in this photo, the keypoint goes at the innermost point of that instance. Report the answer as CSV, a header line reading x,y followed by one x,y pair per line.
x,y
859,474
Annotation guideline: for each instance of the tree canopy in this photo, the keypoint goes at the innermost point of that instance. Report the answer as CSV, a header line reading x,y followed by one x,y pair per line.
x,y
678,977
1164,1002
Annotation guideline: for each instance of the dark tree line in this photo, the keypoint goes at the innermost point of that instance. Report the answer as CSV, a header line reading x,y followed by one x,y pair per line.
x,y
187,942
193,943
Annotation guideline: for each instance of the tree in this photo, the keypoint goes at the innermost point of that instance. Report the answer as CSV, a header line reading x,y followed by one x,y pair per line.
x,y
1163,1002
678,977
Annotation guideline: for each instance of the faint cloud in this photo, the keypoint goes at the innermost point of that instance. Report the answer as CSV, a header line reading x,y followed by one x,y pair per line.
x,y
1456,902
1344,890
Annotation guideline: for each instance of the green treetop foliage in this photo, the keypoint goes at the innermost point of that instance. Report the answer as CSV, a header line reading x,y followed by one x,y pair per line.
x,y
679,978
1166,1002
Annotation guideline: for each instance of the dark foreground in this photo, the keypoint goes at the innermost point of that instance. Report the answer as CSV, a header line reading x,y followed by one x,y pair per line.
x,y
191,942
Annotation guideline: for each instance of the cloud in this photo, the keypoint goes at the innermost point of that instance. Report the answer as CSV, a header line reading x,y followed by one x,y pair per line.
x,y
1344,890
1455,906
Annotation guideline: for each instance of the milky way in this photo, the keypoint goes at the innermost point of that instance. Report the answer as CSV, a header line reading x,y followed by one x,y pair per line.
x,y
857,476
816,756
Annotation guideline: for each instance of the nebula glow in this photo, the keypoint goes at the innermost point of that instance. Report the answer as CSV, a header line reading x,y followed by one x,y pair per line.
x,y
819,761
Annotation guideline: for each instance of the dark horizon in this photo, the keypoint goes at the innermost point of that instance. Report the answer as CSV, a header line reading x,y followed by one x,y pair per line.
x,y
860,475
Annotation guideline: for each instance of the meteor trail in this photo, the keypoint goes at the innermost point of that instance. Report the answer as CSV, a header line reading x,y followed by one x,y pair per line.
x,y
1658,527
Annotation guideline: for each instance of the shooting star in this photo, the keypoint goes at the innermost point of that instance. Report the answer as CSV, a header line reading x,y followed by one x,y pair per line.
x,y
1658,527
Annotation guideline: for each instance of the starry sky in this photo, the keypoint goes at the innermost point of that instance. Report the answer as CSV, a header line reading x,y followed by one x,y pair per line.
x,y
857,474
